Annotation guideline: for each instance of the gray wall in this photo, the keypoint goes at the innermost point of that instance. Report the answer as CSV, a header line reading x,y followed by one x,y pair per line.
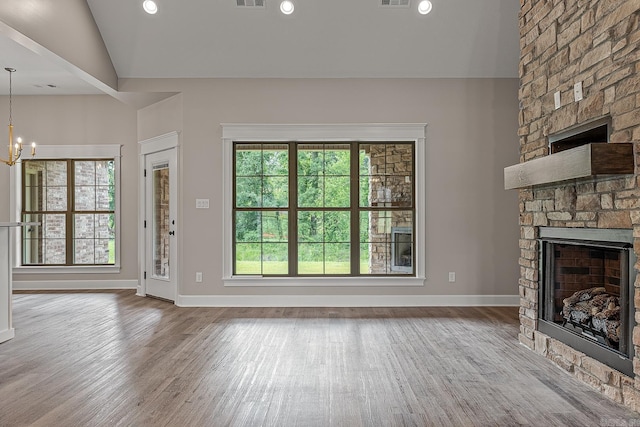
x,y
80,120
472,222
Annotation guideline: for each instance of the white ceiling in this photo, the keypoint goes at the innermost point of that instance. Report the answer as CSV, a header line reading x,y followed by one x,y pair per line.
x,y
323,38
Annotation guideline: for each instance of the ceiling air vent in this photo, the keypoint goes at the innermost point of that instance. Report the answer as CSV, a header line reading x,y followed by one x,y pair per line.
x,y
250,3
402,3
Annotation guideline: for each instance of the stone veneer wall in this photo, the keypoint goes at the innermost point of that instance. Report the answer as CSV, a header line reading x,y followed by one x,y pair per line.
x,y
595,42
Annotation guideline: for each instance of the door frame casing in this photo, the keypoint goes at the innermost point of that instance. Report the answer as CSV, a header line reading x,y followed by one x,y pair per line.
x,y
153,145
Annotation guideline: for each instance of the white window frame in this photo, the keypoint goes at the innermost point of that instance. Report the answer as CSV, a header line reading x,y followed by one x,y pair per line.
x,y
74,152
374,132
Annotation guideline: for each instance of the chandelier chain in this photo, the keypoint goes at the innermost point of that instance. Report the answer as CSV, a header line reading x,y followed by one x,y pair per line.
x,y
10,99
15,150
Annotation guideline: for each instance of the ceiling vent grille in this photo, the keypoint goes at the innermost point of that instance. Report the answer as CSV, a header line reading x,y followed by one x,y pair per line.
x,y
250,3
401,3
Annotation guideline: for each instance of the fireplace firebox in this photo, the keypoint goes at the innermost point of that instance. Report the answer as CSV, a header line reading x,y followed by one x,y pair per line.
x,y
586,292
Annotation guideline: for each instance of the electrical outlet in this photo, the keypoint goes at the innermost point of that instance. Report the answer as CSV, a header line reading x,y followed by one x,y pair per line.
x,y
199,276
202,203
452,276
577,91
556,99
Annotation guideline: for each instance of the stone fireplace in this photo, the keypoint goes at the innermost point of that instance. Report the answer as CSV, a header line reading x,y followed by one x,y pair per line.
x,y
588,183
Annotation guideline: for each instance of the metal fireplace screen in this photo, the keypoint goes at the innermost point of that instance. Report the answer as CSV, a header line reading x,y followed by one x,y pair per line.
x,y
585,295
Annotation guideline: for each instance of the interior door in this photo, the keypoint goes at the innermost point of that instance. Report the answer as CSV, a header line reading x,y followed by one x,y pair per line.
x,y
160,224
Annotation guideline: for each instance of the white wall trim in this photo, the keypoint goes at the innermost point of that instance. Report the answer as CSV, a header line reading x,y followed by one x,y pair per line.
x,y
81,269
152,145
159,143
73,285
325,132
76,152
7,335
47,152
340,282
347,300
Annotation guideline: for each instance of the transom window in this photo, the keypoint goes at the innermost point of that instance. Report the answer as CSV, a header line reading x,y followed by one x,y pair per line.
x,y
74,200
323,208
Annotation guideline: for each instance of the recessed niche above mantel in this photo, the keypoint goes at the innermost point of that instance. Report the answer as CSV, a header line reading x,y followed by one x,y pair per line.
x,y
585,161
598,130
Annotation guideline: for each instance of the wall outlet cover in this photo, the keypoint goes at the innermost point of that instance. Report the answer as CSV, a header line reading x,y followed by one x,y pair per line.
x,y
556,99
577,91
202,203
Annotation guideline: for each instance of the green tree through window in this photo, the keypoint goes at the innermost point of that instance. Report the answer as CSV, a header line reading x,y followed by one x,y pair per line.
x,y
323,208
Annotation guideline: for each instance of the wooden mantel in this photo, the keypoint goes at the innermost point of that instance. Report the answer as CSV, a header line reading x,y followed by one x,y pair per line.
x,y
580,162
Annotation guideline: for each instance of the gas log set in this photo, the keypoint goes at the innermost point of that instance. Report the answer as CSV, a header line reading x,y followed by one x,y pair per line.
x,y
595,313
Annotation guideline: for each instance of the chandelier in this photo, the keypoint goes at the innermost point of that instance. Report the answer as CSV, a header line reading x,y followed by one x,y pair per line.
x,y
15,149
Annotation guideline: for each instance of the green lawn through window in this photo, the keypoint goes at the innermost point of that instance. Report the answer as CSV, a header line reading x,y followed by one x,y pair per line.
x,y
304,267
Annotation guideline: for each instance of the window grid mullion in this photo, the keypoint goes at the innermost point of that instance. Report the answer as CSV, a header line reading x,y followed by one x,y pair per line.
x,y
354,208
293,209
69,215
260,227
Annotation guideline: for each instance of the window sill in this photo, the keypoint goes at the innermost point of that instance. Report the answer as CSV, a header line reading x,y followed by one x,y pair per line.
x,y
341,282
76,269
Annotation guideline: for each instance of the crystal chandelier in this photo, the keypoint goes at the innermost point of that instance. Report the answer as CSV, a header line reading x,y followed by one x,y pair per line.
x,y
15,149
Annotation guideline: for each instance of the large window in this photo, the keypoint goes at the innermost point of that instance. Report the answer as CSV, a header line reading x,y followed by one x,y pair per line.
x,y
324,208
74,201
326,216
72,193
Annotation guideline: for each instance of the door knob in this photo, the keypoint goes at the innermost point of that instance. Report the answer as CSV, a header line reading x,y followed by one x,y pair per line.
x,y
172,233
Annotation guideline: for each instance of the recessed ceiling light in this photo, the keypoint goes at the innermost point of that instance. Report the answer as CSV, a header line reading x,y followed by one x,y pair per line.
x,y
287,7
424,7
150,6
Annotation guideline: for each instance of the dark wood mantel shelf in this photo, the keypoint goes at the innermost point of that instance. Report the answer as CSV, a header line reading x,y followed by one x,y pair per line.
x,y
580,162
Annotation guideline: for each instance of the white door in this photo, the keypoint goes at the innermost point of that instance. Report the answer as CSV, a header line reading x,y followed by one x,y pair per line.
x,y
160,224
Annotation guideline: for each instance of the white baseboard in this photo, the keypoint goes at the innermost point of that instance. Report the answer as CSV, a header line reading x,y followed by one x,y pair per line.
x,y
7,334
71,285
346,300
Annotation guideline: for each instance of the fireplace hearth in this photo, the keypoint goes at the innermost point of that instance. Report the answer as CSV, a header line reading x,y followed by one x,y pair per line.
x,y
586,298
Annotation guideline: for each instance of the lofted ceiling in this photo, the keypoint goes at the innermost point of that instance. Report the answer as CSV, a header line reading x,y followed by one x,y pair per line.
x,y
321,39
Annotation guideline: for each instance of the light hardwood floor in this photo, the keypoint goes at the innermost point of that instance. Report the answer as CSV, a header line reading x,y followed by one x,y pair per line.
x,y
112,358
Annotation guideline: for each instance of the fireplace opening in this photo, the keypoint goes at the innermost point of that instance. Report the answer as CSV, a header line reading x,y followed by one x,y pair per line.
x,y
595,131
586,297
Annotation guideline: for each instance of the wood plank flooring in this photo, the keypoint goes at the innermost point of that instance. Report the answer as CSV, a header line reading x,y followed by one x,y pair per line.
x,y
115,359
